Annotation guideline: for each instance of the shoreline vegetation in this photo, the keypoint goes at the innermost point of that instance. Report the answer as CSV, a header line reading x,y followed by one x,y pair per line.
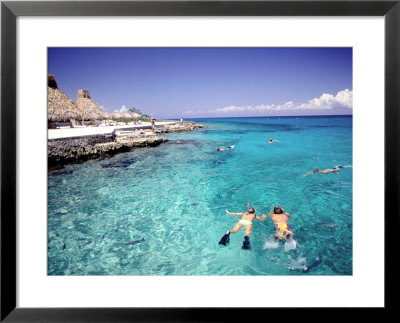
x,y
75,145
80,130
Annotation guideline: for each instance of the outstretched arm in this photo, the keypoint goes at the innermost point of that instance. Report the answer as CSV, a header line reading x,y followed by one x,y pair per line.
x,y
261,218
233,213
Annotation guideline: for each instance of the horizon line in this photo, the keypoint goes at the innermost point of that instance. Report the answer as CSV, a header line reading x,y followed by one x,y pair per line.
x,y
294,116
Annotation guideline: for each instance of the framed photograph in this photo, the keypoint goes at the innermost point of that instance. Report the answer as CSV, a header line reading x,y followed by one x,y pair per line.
x,y
190,160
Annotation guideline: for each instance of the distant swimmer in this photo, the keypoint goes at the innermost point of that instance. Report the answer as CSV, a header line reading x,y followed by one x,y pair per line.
x,y
270,141
282,227
247,222
334,170
226,148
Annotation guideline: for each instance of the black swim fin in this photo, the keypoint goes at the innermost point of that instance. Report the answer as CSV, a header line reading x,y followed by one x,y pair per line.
x,y
225,239
246,243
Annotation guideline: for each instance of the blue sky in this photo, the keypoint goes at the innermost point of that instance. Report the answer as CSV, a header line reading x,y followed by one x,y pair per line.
x,y
209,82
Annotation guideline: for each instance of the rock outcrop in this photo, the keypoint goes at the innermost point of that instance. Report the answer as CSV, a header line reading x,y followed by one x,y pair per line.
x,y
77,149
187,126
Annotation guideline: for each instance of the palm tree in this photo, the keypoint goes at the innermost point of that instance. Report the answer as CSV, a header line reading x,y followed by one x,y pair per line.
x,y
135,110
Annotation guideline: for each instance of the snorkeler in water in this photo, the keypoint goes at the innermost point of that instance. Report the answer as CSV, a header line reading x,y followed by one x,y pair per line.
x,y
334,170
272,140
281,222
247,222
227,148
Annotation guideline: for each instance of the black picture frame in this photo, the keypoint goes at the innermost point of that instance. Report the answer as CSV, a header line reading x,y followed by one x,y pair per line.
x,y
10,10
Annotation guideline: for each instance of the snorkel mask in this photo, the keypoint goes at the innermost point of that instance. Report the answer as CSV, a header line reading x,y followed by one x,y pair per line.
x,y
250,208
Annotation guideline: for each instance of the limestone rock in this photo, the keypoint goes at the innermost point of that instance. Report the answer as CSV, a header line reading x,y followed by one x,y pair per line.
x,y
71,150
187,126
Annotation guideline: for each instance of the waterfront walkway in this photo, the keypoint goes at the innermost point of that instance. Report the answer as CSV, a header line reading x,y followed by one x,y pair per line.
x,y
68,132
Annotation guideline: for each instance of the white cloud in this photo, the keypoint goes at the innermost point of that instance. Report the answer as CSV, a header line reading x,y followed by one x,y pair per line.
x,y
343,99
122,110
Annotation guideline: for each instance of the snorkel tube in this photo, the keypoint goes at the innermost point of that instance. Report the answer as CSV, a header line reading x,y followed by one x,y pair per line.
x,y
249,207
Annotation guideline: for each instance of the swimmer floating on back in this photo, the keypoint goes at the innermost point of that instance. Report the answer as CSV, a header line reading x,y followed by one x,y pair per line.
x,y
334,170
247,221
270,141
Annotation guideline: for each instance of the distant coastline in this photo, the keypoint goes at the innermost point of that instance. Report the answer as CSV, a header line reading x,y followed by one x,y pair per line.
x,y
273,117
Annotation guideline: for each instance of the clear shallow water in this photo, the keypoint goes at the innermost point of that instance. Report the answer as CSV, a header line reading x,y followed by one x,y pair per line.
x,y
174,197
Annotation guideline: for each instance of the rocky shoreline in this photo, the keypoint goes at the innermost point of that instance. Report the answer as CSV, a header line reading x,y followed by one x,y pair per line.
x,y
186,126
78,149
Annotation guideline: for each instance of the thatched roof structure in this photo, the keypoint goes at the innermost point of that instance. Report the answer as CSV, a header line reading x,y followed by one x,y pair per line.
x,y
51,82
52,117
106,115
91,110
90,115
68,115
116,115
135,115
59,106
126,115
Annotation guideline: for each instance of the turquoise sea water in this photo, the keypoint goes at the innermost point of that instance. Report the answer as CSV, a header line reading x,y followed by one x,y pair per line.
x,y
174,196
